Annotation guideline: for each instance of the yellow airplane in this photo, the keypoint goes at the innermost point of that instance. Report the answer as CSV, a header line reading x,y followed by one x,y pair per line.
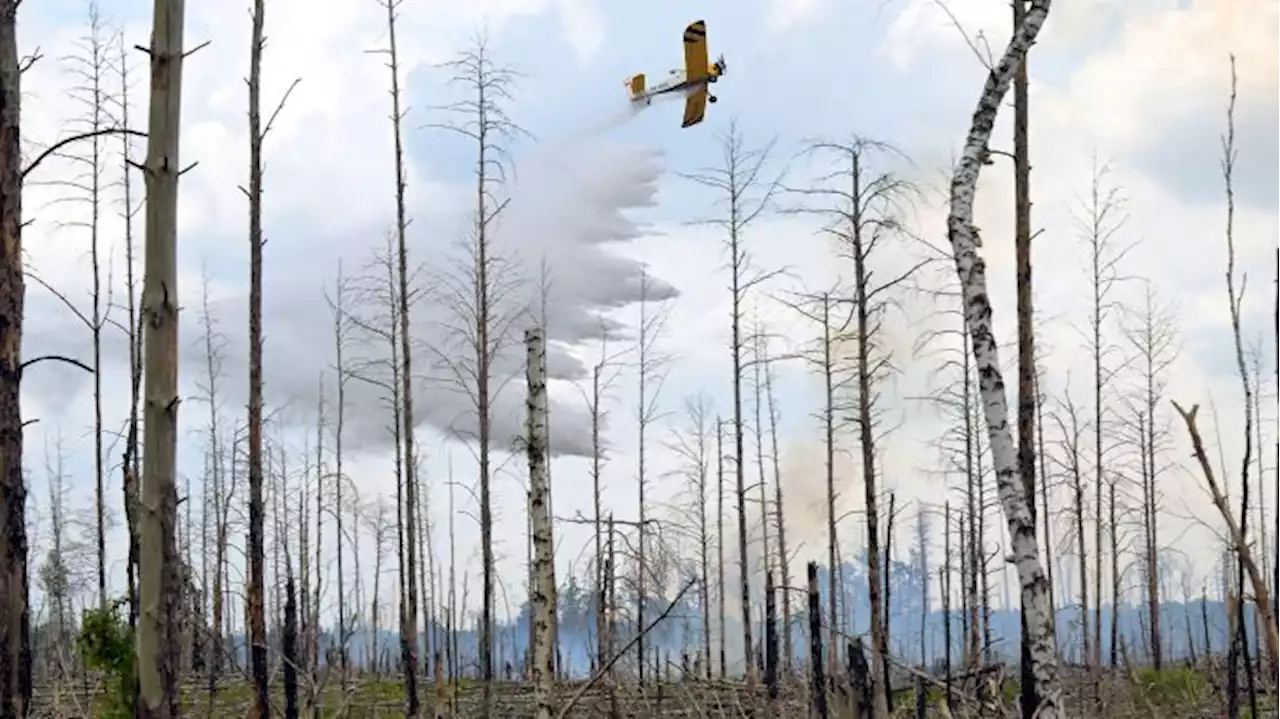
x,y
693,81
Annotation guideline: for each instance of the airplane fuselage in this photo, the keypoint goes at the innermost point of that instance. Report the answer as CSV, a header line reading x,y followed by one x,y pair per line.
x,y
677,81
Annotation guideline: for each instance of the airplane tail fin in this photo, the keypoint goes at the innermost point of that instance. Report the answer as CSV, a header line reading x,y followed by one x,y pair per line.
x,y
636,84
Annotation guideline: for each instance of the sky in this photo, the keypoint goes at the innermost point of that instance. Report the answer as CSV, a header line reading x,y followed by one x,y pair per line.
x,y
600,196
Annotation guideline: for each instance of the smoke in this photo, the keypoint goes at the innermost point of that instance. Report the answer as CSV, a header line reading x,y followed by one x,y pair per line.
x,y
614,121
570,203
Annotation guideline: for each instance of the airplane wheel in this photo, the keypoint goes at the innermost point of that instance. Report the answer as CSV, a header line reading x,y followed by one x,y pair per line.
x,y
711,98
713,78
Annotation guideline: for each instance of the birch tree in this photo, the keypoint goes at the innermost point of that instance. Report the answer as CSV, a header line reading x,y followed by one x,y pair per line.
x,y
543,568
971,271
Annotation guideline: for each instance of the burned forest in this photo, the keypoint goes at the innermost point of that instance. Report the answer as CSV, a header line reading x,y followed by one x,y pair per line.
x,y
388,358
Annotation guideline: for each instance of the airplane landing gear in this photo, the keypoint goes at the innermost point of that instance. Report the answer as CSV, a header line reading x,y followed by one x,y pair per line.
x,y
711,98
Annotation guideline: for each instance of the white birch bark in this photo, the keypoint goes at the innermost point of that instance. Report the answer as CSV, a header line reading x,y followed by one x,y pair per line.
x,y
543,569
971,270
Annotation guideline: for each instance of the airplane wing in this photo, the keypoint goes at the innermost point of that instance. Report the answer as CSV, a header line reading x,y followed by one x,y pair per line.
x,y
695,106
695,51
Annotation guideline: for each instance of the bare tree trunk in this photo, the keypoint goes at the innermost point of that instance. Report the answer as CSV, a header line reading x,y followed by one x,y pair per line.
x,y
338,309
409,619
159,584
313,637
757,404
866,443
1026,336
720,593
1115,575
828,423
946,598
817,682
257,622
1050,549
1275,556
129,467
290,642
784,569
15,619
543,569
748,194
972,274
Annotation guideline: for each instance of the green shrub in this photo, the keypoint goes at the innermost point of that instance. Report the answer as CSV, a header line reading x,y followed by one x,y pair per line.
x,y
1171,687
107,644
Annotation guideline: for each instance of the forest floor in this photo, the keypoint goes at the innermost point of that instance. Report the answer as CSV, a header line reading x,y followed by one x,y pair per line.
x,y
1171,694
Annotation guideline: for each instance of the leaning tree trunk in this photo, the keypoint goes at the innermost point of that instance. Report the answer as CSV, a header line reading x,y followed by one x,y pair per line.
x,y
971,270
159,585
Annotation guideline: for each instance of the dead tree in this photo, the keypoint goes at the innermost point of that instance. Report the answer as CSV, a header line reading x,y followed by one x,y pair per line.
x,y
15,618
129,465
220,494
1103,216
836,380
409,613
543,568
859,206
481,285
692,445
376,317
784,567
745,193
1072,431
757,427
603,374
720,585
159,584
342,341
971,271
257,134
1235,298
379,525
89,65
651,372
1151,332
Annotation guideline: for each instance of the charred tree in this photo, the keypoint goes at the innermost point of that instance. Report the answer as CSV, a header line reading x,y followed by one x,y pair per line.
x,y
255,599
